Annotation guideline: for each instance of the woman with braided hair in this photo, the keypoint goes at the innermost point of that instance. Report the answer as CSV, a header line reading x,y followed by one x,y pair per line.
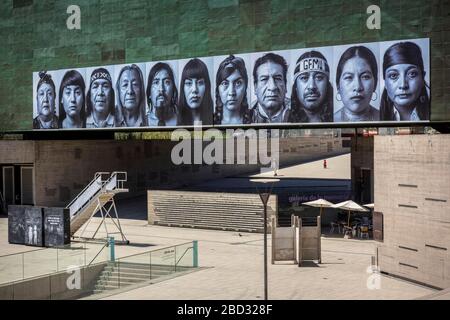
x,y
231,92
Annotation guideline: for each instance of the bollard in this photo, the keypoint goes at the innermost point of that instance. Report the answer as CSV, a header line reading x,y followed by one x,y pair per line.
x,y
195,254
112,256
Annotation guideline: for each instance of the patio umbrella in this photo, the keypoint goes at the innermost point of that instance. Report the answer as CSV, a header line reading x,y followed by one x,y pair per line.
x,y
319,203
369,205
350,205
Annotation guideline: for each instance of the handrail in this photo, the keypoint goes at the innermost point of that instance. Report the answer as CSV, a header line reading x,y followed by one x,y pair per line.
x,y
185,251
59,254
97,174
150,251
104,245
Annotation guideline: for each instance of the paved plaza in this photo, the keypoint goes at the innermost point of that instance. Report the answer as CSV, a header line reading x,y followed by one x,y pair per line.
x,y
232,262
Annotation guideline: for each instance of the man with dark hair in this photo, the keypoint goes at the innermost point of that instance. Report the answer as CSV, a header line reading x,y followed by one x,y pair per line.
x,y
269,77
100,100
312,92
162,96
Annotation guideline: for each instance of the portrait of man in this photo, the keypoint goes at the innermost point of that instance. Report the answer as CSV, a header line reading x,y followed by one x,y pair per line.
x,y
270,82
162,96
72,101
100,100
130,106
312,92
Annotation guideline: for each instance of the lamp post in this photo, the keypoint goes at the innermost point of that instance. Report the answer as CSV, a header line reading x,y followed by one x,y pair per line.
x,y
265,195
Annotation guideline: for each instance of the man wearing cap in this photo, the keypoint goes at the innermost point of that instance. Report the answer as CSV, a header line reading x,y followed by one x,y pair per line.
x,y
269,77
100,102
312,93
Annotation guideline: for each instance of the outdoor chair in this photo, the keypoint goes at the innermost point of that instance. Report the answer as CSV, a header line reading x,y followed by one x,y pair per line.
x,y
364,232
335,225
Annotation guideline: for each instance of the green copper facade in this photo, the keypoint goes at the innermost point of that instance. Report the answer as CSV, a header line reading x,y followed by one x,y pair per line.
x,y
34,36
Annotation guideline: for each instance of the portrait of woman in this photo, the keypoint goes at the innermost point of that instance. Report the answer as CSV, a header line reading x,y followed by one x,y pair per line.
x,y
71,101
45,101
356,83
405,96
231,92
195,103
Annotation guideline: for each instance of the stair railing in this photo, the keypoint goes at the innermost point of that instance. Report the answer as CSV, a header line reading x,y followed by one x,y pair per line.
x,y
115,181
84,197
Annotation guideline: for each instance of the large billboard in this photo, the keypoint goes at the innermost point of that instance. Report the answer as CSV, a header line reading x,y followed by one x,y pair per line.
x,y
359,83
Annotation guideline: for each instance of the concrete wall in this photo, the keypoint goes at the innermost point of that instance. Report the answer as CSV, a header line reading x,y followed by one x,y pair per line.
x,y
64,168
412,190
53,287
17,152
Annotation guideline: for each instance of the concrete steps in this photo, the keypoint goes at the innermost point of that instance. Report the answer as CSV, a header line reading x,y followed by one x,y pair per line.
x,y
220,211
123,274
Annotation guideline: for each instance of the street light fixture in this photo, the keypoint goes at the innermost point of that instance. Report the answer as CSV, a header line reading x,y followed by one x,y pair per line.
x,y
265,195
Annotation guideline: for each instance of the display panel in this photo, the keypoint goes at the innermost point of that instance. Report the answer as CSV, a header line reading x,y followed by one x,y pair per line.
x,y
369,82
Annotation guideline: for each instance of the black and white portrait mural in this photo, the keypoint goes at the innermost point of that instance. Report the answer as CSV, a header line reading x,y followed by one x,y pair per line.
x,y
357,96
100,98
195,101
312,96
367,82
271,87
162,94
233,88
129,86
405,80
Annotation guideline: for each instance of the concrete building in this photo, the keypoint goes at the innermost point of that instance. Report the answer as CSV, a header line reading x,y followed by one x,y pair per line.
x,y
412,192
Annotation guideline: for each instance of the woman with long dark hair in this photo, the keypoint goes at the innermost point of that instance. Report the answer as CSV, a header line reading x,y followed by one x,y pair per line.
x,y
72,101
405,97
231,92
356,81
195,102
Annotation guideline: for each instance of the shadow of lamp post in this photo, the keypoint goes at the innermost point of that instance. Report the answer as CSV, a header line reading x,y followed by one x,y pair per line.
x,y
264,191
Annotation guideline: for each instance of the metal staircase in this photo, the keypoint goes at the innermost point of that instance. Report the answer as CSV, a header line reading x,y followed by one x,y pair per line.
x,y
98,196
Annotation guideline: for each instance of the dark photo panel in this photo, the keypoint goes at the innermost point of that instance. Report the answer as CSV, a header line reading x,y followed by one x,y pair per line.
x,y
312,93
56,226
34,230
129,86
71,104
232,89
271,87
357,88
162,93
16,224
195,103
405,80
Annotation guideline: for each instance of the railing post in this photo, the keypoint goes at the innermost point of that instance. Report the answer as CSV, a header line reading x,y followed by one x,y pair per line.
x,y
112,256
195,254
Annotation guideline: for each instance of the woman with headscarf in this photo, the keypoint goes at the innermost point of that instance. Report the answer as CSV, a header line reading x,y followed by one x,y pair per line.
x,y
405,97
45,98
195,94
